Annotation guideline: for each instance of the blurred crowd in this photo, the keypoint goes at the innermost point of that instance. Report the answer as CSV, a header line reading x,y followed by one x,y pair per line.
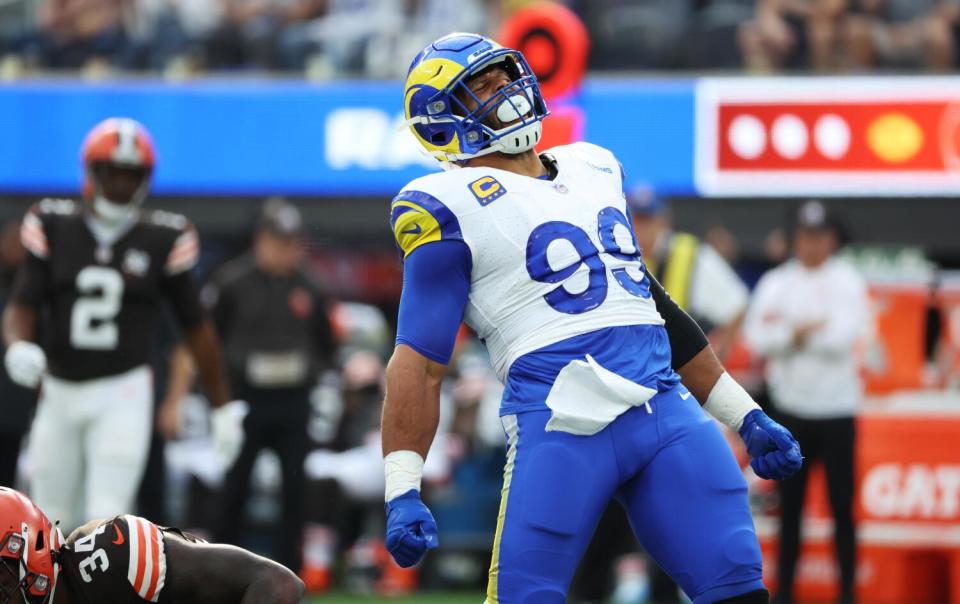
x,y
373,38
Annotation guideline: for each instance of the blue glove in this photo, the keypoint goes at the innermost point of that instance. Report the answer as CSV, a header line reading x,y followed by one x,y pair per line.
x,y
411,529
774,452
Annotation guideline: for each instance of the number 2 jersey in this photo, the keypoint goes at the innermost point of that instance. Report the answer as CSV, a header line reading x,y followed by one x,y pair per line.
x,y
555,271
98,291
122,561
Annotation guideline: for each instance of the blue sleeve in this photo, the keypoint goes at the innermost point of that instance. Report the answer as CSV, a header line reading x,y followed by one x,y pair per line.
x,y
436,283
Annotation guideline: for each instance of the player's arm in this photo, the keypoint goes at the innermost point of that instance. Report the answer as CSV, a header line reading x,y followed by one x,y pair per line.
x,y
202,572
436,284
204,347
773,450
19,323
201,339
25,361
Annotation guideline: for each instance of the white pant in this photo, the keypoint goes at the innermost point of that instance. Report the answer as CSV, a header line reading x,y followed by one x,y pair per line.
x,y
88,447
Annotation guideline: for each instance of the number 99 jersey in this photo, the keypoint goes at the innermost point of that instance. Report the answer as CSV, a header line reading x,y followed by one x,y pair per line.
x,y
98,292
551,259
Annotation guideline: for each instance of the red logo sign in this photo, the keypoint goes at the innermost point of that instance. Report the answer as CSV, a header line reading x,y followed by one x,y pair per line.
x,y
821,136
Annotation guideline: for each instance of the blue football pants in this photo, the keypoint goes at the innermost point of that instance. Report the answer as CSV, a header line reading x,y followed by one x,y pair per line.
x,y
669,467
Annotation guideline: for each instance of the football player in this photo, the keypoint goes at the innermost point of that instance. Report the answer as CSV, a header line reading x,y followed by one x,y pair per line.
x,y
91,287
536,252
125,560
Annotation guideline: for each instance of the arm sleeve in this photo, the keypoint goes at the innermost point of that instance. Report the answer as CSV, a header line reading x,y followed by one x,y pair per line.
x,y
436,283
765,329
686,337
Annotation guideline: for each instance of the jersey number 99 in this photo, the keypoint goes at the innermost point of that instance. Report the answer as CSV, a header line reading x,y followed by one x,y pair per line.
x,y
595,292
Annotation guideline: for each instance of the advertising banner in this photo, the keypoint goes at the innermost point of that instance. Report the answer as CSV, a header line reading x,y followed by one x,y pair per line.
x,y
828,136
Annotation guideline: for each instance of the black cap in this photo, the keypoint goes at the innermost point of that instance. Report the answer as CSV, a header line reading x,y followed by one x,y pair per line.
x,y
813,215
280,217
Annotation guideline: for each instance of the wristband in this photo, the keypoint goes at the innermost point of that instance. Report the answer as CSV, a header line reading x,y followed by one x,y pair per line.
x,y
403,471
728,402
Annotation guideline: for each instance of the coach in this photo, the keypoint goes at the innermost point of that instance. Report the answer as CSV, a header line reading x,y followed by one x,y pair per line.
x,y
277,336
806,318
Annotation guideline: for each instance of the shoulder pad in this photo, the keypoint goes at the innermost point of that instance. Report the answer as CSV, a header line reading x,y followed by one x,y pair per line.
x,y
51,206
418,218
170,220
36,222
147,565
596,156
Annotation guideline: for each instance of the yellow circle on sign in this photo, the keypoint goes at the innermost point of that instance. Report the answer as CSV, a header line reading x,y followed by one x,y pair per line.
x,y
895,137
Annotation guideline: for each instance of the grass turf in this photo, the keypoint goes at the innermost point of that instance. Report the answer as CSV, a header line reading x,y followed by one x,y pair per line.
x,y
433,598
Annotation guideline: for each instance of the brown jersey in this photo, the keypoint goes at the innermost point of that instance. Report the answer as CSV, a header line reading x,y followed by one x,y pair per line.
x,y
122,561
98,292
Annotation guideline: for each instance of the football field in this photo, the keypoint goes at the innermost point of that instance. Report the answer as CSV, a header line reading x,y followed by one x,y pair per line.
x,y
433,598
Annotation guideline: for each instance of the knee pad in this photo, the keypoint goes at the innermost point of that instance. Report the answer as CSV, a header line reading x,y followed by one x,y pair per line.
x,y
761,596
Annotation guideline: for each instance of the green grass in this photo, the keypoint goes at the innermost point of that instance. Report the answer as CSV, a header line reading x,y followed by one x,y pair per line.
x,y
433,598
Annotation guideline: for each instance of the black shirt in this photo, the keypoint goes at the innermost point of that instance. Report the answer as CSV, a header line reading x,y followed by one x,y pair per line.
x,y
275,328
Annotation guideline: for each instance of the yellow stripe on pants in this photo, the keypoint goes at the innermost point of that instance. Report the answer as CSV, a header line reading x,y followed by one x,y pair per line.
x,y
511,428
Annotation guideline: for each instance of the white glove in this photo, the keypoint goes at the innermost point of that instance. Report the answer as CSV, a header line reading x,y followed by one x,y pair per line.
x,y
25,363
226,429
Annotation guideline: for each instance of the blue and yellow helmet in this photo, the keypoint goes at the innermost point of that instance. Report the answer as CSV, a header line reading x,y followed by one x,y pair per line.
x,y
443,124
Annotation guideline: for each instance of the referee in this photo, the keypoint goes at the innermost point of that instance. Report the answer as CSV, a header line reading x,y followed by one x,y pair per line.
x,y
806,317
273,322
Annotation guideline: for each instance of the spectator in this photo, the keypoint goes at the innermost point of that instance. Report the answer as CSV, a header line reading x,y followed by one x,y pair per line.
x,y
163,31
792,34
16,402
428,20
901,34
806,317
74,33
251,29
336,40
276,333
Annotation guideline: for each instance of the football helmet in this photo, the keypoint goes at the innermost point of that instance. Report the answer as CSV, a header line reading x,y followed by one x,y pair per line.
x,y
29,550
118,160
445,126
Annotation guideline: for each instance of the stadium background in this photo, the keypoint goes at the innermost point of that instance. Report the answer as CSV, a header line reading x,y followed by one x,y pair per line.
x,y
734,152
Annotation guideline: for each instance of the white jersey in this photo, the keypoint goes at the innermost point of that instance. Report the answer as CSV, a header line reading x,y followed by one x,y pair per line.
x,y
551,259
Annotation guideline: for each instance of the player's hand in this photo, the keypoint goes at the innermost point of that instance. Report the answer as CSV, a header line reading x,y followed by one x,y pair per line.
x,y
774,452
411,529
226,429
25,363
